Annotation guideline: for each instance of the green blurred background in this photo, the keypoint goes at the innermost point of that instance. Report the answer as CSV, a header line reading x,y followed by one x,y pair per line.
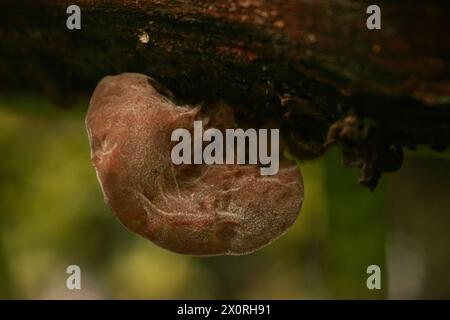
x,y
52,215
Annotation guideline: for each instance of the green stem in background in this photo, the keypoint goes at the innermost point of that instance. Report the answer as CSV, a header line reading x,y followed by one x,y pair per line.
x,y
356,229
6,287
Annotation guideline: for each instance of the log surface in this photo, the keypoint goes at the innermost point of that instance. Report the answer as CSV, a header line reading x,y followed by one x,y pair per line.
x,y
310,67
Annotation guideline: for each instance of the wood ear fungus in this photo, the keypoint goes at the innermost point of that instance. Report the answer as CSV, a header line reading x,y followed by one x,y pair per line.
x,y
189,209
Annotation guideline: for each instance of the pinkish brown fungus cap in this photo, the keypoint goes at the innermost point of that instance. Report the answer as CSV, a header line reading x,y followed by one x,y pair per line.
x,y
189,209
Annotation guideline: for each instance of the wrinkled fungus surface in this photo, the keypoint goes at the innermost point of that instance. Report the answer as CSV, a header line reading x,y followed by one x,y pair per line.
x,y
189,209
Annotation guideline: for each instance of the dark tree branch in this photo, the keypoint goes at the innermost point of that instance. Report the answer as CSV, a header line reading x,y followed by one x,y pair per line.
x,y
312,67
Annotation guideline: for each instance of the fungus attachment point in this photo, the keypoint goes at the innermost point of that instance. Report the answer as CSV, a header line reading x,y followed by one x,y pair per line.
x,y
189,209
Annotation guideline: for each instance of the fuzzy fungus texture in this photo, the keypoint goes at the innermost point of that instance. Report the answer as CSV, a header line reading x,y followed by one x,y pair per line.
x,y
189,209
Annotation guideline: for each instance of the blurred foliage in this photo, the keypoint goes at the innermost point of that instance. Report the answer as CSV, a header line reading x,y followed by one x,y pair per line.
x,y
52,215
356,232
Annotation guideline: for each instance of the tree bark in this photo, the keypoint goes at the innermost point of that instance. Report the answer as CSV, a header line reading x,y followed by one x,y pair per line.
x,y
310,67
